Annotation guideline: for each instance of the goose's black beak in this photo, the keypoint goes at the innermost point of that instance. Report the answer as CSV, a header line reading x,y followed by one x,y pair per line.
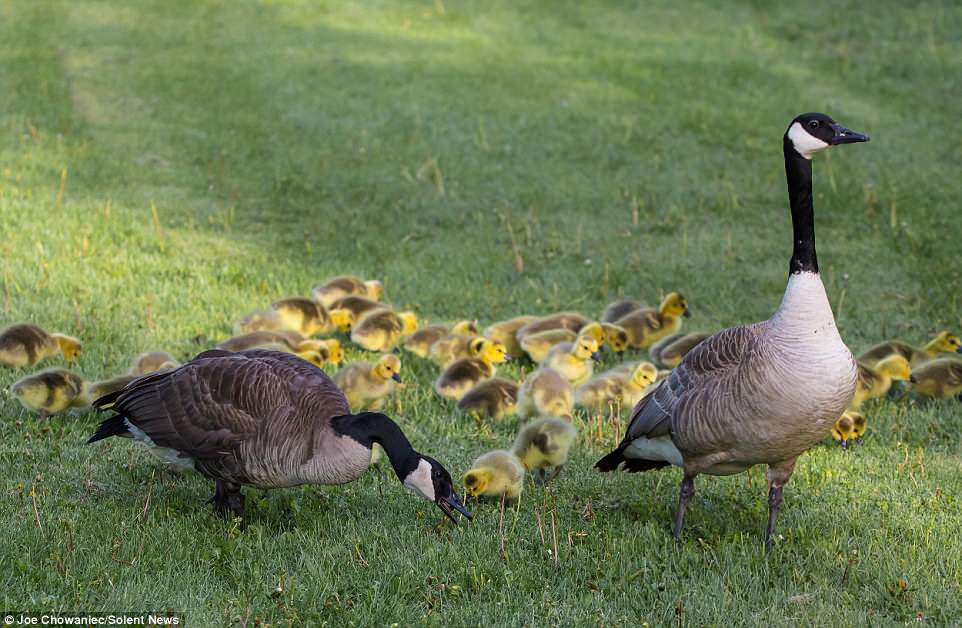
x,y
396,377
846,136
451,503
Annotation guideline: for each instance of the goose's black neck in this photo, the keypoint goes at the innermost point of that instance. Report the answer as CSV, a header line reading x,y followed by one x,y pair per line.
x,y
368,428
798,171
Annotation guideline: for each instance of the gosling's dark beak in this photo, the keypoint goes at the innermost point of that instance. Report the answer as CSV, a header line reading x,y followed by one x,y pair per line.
x,y
845,445
687,313
451,503
959,350
596,356
396,377
846,136
507,358
913,379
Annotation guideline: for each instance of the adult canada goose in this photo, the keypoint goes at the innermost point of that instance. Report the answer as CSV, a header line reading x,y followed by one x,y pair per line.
x,y
25,344
944,342
739,399
669,351
938,379
265,419
346,285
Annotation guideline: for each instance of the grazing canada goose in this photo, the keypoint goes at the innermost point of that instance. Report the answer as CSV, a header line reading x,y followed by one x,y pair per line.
x,y
669,351
454,347
843,429
346,285
574,360
542,446
571,321
618,309
497,473
647,325
494,398
420,342
365,385
152,361
944,342
264,419
545,392
739,399
382,329
50,391
876,381
25,344
462,375
307,317
505,332
357,305
616,386
938,379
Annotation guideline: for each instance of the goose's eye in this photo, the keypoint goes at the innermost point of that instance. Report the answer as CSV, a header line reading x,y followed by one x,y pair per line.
x,y
813,124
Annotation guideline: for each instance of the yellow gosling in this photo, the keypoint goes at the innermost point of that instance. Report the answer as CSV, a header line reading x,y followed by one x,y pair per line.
x,y
545,392
462,375
497,474
382,330
25,344
494,398
943,342
646,326
505,333
51,391
574,360
366,385
542,446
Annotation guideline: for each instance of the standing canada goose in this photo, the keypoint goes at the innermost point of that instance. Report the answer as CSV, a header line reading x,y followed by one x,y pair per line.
x,y
25,344
876,381
648,325
505,332
575,360
843,429
51,391
618,309
493,398
739,399
669,351
365,385
944,342
542,446
346,285
420,342
571,321
545,392
462,375
497,473
307,317
382,329
152,361
455,346
616,386
357,305
938,379
264,419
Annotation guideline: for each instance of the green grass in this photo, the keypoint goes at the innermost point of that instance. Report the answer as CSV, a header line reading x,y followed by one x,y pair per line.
x,y
221,154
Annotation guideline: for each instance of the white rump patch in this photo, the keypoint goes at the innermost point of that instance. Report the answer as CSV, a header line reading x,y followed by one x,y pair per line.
x,y
420,480
170,456
804,142
660,448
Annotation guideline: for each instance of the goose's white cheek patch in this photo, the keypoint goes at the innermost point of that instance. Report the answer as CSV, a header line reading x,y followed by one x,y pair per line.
x,y
805,143
420,481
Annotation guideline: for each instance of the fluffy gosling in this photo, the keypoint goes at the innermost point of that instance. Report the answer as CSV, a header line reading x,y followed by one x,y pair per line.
x,y
381,330
943,342
616,386
545,392
876,381
505,332
51,391
462,375
938,379
346,285
25,344
842,430
494,398
668,352
542,446
617,309
151,362
497,474
646,326
574,360
366,385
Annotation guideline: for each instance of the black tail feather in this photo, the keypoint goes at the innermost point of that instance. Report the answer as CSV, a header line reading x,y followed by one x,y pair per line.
x,y
114,426
612,461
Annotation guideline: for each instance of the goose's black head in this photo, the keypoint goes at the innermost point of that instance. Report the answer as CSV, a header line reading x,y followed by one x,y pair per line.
x,y
432,481
809,133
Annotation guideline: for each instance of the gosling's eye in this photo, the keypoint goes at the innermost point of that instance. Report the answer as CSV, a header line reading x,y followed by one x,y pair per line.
x,y
813,124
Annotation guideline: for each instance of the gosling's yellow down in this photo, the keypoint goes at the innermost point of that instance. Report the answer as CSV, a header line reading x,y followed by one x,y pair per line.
x,y
51,391
462,375
25,344
859,425
668,352
308,317
420,342
943,342
151,362
381,330
876,381
497,473
616,387
366,385
346,285
842,430
542,446
545,393
505,332
574,360
646,326
494,398
359,306
938,379
454,347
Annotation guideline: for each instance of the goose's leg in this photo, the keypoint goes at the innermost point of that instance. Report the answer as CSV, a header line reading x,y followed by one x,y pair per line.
x,y
778,476
687,490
